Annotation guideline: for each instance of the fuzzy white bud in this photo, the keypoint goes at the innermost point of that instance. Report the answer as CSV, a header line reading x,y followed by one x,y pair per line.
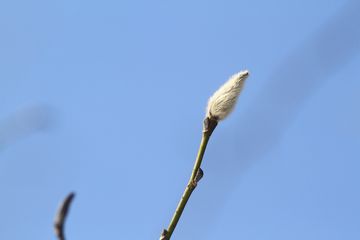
x,y
223,101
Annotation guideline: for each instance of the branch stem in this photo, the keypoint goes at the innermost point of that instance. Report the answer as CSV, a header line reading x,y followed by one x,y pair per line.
x,y
61,216
209,126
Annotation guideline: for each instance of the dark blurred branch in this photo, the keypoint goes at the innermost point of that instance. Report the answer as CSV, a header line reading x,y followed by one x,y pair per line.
x,y
61,216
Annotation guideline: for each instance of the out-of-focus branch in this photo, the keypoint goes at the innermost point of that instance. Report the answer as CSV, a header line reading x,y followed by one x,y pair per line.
x,y
60,217
24,122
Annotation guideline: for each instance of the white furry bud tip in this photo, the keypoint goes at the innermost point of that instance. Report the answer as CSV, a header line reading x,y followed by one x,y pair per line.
x,y
223,101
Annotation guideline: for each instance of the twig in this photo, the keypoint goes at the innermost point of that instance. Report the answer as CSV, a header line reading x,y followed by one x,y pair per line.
x,y
61,216
220,105
196,175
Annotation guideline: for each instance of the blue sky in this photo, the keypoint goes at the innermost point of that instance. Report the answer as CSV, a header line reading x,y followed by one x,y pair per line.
x,y
107,98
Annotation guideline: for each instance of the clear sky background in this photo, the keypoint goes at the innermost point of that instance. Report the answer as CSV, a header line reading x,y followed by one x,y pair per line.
x,y
106,98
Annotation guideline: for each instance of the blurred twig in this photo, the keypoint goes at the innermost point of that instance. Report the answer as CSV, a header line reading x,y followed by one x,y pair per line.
x,y
61,216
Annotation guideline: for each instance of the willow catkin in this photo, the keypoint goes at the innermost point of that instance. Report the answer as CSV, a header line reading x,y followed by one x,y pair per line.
x,y
223,101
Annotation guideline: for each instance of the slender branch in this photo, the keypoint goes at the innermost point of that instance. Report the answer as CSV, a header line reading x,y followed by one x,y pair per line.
x,y
220,105
209,126
61,216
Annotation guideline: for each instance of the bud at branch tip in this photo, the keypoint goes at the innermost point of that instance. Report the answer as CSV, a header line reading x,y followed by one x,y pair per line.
x,y
223,101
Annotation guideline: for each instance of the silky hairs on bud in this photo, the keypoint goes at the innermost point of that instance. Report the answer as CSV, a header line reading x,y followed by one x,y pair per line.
x,y
223,101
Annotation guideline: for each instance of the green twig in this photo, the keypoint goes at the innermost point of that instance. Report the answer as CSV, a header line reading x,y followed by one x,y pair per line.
x,y
209,126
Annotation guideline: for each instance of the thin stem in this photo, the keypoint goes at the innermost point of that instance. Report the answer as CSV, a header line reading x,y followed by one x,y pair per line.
x,y
209,126
61,216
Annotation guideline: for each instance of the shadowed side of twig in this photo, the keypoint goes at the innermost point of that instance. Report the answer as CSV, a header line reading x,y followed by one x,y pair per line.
x,y
61,216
